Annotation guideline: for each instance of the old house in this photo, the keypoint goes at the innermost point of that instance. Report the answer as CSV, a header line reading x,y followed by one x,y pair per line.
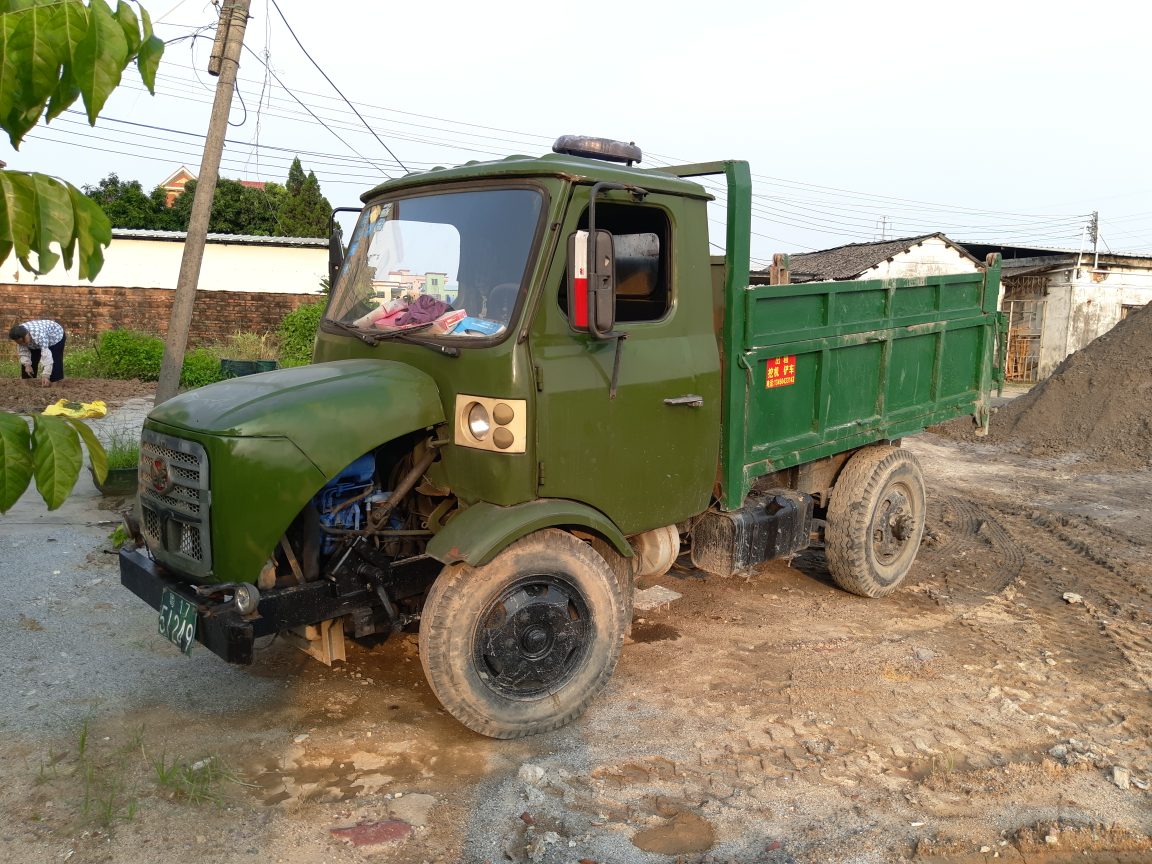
x,y
174,183
908,257
1059,300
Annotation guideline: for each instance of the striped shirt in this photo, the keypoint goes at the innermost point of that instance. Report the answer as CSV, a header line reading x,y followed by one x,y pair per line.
x,y
44,335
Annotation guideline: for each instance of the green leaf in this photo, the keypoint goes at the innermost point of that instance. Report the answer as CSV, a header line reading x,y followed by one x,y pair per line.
x,y
148,57
54,221
96,453
57,456
17,215
32,50
8,75
71,23
130,24
100,58
15,459
93,231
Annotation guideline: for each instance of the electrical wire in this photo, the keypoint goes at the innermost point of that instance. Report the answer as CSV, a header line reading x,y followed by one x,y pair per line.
x,y
334,87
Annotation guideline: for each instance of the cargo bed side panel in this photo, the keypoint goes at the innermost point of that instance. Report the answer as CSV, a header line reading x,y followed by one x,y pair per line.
x,y
829,366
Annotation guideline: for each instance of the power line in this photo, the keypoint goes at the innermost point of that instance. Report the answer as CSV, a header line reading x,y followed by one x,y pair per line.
x,y
334,87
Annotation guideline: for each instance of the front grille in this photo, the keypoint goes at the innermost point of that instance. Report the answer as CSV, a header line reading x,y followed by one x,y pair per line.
x,y
176,515
190,542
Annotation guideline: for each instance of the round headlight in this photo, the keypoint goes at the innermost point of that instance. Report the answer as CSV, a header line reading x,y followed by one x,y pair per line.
x,y
478,422
247,598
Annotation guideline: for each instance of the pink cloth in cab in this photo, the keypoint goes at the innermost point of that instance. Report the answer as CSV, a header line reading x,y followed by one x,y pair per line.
x,y
424,310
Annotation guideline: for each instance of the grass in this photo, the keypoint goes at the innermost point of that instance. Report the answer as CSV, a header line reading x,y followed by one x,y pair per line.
x,y
106,784
122,446
83,359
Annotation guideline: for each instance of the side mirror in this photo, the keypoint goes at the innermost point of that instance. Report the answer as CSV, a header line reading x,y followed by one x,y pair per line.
x,y
591,283
335,255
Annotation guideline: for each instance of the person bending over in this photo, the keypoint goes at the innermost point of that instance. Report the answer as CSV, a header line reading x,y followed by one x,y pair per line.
x,y
38,341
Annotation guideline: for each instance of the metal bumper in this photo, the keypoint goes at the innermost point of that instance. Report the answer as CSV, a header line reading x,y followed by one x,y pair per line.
x,y
223,630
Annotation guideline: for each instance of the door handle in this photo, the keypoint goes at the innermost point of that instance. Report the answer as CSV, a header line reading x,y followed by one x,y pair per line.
x,y
689,401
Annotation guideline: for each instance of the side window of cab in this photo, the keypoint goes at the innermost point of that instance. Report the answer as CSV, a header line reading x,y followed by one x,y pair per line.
x,y
641,237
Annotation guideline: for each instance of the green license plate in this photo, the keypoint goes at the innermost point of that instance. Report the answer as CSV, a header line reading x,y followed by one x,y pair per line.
x,y
177,621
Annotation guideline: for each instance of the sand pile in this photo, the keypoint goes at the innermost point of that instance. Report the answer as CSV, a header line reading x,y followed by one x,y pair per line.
x,y
1098,401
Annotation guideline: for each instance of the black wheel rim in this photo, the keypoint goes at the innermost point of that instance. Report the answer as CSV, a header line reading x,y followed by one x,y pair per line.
x,y
893,525
532,638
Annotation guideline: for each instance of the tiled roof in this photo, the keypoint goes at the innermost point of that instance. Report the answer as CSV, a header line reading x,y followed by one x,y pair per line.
x,y
848,262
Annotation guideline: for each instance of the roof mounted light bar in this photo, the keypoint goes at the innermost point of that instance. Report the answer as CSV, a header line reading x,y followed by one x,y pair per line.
x,y
598,148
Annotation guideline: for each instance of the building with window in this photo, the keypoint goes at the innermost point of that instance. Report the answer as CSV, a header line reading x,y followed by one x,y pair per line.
x,y
1059,300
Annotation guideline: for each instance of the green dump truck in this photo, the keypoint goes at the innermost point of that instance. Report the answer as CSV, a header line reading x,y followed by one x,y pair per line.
x,y
532,385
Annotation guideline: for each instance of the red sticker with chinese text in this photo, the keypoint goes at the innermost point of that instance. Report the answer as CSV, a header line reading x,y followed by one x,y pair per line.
x,y
782,371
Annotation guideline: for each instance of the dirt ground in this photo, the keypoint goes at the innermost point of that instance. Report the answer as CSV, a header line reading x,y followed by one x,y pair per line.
x,y
30,397
975,714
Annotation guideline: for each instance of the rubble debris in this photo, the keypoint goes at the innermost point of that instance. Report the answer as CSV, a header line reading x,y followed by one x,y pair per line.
x,y
651,598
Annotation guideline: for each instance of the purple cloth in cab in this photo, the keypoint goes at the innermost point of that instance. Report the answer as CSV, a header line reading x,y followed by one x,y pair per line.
x,y
425,310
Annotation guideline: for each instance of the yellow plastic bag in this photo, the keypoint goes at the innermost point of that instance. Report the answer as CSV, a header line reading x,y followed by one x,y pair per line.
x,y
78,410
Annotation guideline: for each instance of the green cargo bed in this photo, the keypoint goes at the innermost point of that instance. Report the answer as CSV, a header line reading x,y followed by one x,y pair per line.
x,y
816,369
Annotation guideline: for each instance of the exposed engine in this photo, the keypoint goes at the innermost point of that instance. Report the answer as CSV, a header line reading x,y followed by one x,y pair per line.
x,y
346,501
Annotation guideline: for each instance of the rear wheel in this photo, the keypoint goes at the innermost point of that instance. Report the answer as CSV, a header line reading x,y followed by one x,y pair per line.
x,y
523,644
875,521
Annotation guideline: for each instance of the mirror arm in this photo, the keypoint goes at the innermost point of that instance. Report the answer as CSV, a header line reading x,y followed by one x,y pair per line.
x,y
335,249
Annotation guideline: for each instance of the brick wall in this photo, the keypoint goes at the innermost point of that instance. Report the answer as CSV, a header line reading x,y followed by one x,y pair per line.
x,y
86,311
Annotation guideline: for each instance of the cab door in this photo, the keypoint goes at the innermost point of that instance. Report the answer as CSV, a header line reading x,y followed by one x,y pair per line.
x,y
641,458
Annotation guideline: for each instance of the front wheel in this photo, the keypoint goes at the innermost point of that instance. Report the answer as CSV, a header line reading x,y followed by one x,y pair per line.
x,y
875,521
523,644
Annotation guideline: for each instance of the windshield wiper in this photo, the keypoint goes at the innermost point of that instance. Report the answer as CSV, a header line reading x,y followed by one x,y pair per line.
x,y
374,339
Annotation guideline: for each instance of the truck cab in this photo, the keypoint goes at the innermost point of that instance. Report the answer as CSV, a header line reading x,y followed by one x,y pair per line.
x,y
524,395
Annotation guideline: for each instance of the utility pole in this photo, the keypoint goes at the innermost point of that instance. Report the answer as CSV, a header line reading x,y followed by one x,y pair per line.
x,y
1094,228
224,62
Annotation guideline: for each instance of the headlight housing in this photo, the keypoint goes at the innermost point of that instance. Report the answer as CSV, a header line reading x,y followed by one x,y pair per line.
x,y
479,423
247,599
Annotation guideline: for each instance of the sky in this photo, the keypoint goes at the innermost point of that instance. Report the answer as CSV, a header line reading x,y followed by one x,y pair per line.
x,y
1005,121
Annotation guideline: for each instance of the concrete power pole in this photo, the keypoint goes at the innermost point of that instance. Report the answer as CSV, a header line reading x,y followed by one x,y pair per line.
x,y
224,62
1095,229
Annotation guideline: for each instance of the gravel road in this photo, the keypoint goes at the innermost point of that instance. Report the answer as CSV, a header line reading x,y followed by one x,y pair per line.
x,y
975,708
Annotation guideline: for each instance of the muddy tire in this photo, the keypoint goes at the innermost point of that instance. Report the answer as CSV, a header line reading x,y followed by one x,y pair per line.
x,y
875,521
625,572
523,644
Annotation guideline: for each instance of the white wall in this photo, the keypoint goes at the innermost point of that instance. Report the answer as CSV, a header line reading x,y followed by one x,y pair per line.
x,y
226,267
1079,309
933,257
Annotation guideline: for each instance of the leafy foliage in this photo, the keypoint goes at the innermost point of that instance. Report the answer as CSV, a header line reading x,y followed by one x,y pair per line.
x,y
305,210
201,367
236,208
126,205
53,52
57,457
15,459
298,334
128,354
298,209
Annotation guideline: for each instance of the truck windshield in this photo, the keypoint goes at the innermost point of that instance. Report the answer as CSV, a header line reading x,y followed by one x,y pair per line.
x,y
443,265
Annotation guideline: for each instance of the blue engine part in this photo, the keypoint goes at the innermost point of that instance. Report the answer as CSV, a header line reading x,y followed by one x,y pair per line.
x,y
332,501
